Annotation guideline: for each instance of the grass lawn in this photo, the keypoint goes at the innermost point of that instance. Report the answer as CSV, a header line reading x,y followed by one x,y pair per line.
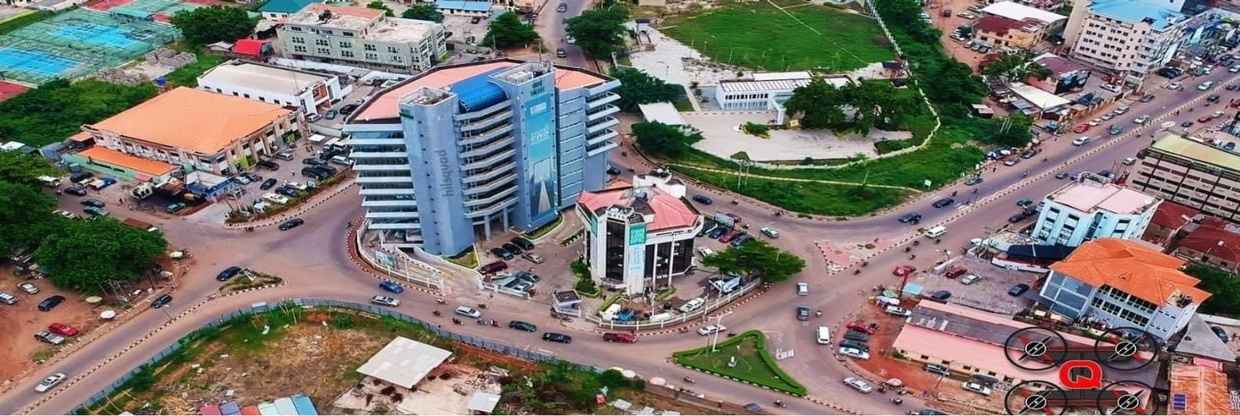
x,y
58,109
757,35
753,363
22,20
810,198
468,259
541,231
187,76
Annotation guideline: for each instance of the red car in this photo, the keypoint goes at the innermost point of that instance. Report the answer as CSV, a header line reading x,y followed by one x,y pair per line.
x,y
1204,119
954,272
62,329
904,270
729,236
862,327
1080,128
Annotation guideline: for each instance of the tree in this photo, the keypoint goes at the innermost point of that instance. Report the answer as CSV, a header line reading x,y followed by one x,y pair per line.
x,y
1015,67
82,255
378,5
636,87
1224,286
663,140
206,25
1011,131
757,258
819,104
58,109
507,31
872,104
424,11
24,168
600,31
28,206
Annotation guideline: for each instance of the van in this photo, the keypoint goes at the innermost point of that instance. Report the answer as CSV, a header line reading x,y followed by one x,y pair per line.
x,y
883,300
938,369
621,337
49,181
936,231
824,335
493,267
705,252
770,232
342,160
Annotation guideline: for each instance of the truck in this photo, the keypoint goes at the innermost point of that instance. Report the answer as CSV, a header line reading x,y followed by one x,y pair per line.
x,y
139,224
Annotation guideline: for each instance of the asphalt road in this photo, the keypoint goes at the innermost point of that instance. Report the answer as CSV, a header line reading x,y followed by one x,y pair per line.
x,y
314,262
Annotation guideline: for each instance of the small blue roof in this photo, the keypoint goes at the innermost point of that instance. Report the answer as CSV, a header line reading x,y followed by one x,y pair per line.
x,y
1160,12
478,92
286,6
467,5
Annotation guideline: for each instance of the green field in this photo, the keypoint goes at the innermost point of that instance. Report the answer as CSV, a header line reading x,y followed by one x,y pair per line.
x,y
753,363
760,36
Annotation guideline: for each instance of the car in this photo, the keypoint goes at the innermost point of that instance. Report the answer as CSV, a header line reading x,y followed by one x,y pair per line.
x,y
729,236
315,173
711,329
897,311
228,273
1121,110
910,218
752,408
525,244
854,353
96,212
28,287
331,114
802,313
291,223
943,203
848,343
80,177
502,253
161,301
267,164
242,180
1234,69
1115,130
174,207
50,338
858,384
1141,120
1221,334
1186,124
313,161
523,326
93,203
770,232
1080,128
973,180
1174,86
557,337
8,299
76,190
533,258
1080,141
862,327
1011,162
976,387
1213,98
903,270
285,154
1062,175
348,108
1146,98
692,305
62,329
941,295
703,199
1018,289
275,198
1095,122
802,289
493,267
50,382
1205,85
1108,117
467,312
385,301
391,286
561,53
954,272
1017,217
716,233
1129,161
969,279
288,191
512,248
621,337
613,171
268,184
51,303
563,7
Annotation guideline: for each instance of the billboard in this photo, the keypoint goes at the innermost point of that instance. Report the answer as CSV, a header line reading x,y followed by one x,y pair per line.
x,y
538,124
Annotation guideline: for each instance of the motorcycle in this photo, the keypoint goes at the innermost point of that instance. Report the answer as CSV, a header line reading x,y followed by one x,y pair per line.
x,y
897,400
688,380
436,313
779,403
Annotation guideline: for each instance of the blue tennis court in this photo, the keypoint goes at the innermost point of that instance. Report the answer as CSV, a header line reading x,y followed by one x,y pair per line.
x,y
78,43
93,34
33,62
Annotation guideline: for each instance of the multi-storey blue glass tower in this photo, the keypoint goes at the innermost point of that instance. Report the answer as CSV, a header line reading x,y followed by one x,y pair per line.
x,y
464,152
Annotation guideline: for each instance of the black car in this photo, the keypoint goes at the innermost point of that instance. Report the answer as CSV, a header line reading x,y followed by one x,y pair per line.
x,y
702,199
1221,334
557,337
523,243
1018,217
802,313
512,248
1018,290
1213,98
80,176
327,171
267,184
288,191
228,273
848,343
613,171
267,164
943,203
501,253
523,326
161,301
910,218
252,177
93,203
1062,175
50,303
291,224
313,161
348,109
716,233
311,172
941,295
78,190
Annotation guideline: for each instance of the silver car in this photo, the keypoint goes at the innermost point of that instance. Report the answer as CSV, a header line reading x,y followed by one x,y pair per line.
x,y
385,301
28,287
468,312
859,385
49,382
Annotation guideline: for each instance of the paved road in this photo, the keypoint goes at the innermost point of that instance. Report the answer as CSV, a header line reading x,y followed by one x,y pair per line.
x,y
314,262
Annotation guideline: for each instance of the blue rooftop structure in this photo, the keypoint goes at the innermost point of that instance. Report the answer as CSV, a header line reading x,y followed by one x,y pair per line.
x,y
1162,14
286,6
478,92
466,5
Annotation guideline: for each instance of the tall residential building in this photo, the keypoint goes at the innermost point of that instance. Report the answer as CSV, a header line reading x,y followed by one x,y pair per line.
x,y
1085,210
1125,284
640,236
465,151
364,37
1192,173
1132,38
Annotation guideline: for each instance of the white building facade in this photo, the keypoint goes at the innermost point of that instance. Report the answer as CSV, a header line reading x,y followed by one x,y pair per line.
x,y
363,37
1131,38
309,92
1082,211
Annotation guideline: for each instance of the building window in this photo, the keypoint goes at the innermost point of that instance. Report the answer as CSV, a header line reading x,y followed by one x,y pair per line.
x,y
325,51
347,34
346,54
321,42
297,40
396,58
368,47
392,49
346,44
372,57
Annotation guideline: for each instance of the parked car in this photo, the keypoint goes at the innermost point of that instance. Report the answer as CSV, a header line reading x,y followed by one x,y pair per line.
x,y
51,303
525,244
954,272
561,53
802,313
620,337
862,327
848,343
703,199
161,301
228,273
1018,289
1221,334
976,387
8,299
28,287
557,337
1115,130
385,301
533,258
523,326
312,161
62,329
943,203
858,384
941,295
50,338
910,218
903,270
802,289
770,232
1080,141
79,177
331,114
1080,128
969,279
502,253
973,180
174,207
76,190
93,203
711,329
692,305
854,353
291,223
467,312
267,184
512,248
1205,85
50,382
897,311
96,212
493,267
267,164
858,336
391,286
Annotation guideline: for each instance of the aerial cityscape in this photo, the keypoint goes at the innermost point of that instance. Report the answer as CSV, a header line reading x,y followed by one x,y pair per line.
x,y
646,207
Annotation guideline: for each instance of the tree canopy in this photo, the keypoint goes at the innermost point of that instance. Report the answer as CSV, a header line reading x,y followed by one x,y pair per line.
x,y
599,31
378,5
664,140
1223,284
636,87
423,11
758,258
58,109
29,210
83,254
508,31
212,24
1016,67
871,104
23,168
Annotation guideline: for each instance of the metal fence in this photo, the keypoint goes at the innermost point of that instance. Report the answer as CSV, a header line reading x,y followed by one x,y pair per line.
x,y
535,356
709,307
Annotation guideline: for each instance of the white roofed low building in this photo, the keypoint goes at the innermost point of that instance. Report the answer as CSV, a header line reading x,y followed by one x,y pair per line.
x,y
304,90
766,91
404,362
1082,211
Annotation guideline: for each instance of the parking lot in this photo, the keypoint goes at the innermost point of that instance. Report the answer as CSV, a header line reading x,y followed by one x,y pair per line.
x,y
23,319
988,293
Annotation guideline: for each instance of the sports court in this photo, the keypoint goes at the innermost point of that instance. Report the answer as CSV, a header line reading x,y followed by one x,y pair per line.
x,y
81,42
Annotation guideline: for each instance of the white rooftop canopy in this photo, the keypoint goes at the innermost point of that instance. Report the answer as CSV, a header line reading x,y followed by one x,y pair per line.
x,y
404,362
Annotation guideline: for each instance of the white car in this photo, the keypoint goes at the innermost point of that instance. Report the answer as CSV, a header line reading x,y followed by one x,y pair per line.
x,y
65,214
976,388
1121,110
710,329
276,198
1095,122
1141,120
49,382
859,385
385,301
969,279
854,353
1080,141
1174,86
802,289
692,305
468,312
1129,161
898,311
28,287
1205,85
1234,69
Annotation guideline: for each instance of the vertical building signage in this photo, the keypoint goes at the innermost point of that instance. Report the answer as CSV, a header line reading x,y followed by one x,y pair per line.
x,y
538,123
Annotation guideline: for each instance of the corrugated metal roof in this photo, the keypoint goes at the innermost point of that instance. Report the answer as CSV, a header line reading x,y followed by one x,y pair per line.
x,y
1192,149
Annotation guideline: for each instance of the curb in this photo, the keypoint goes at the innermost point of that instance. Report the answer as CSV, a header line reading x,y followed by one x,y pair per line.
x,y
301,210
